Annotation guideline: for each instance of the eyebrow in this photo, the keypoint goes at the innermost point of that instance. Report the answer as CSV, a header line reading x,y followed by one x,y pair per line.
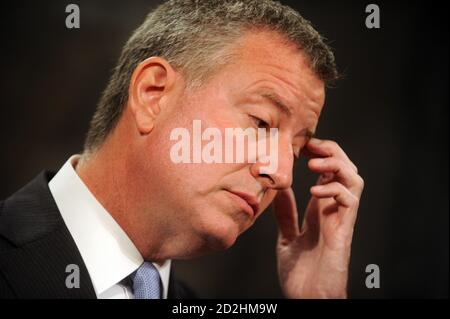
x,y
282,107
275,100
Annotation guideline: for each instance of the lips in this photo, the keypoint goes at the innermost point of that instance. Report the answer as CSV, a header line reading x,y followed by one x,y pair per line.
x,y
250,200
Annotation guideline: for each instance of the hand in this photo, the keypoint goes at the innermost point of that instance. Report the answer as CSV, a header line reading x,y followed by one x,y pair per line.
x,y
313,261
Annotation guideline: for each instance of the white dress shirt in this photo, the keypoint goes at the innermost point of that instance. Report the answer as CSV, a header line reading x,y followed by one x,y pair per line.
x,y
109,254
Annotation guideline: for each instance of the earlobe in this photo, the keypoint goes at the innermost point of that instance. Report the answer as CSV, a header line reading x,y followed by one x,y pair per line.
x,y
151,80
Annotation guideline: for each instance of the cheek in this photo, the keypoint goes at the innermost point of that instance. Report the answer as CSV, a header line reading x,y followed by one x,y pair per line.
x,y
189,179
192,179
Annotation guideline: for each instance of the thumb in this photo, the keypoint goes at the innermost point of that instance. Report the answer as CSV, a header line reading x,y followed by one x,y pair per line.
x,y
285,209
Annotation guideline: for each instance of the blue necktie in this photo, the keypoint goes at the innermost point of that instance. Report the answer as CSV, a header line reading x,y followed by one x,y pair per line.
x,y
146,282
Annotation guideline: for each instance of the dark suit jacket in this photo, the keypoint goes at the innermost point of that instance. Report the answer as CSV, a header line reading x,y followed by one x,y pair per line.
x,y
36,247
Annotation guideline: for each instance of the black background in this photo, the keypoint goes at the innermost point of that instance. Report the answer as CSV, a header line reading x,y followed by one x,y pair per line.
x,y
389,113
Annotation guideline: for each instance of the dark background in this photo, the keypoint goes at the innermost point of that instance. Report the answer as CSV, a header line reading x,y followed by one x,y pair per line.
x,y
389,113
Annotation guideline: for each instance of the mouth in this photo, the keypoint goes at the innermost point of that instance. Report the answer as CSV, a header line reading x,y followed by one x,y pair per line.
x,y
248,202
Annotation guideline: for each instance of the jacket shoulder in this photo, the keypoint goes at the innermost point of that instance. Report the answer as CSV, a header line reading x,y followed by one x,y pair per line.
x,y
29,213
36,247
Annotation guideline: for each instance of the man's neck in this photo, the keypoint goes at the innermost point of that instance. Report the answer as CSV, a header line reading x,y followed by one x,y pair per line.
x,y
109,182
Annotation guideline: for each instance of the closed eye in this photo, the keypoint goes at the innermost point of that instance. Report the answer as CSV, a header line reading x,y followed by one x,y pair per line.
x,y
259,122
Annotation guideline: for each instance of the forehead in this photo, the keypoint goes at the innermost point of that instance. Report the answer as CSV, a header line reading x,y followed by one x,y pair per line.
x,y
265,63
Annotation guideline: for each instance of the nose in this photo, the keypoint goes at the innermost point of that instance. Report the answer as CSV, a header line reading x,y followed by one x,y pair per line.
x,y
280,177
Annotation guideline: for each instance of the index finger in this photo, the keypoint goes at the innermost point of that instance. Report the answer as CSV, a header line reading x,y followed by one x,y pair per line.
x,y
325,148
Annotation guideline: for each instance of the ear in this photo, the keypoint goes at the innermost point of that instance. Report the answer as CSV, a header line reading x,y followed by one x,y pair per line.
x,y
151,80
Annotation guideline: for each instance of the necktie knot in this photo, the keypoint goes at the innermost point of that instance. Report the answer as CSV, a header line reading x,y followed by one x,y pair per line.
x,y
146,282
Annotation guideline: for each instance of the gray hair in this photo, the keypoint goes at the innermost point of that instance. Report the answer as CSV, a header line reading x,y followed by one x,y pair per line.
x,y
193,36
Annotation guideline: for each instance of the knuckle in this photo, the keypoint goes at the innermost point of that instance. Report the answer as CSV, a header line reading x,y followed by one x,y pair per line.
x,y
344,163
360,181
340,187
355,200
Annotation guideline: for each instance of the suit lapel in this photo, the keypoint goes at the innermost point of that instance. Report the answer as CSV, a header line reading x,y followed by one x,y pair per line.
x,y
36,247
41,246
39,268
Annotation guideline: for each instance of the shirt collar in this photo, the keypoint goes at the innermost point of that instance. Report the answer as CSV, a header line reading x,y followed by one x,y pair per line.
x,y
107,251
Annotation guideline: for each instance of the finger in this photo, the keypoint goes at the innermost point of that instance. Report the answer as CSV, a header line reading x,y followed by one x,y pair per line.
x,y
341,170
343,197
285,209
326,148
337,191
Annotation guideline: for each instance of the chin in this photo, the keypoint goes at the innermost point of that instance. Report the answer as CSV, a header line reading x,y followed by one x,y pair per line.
x,y
219,233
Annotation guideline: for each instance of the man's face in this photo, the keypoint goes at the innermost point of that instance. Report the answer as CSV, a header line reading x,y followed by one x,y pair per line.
x,y
211,201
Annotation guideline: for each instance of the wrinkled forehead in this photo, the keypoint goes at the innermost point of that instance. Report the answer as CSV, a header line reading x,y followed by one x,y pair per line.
x,y
267,61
